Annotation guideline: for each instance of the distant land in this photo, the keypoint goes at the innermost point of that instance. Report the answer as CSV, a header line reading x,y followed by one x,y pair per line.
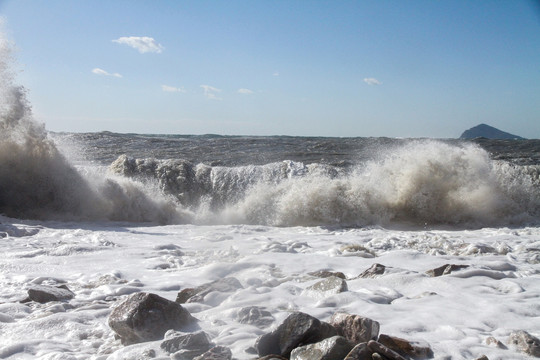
x,y
488,132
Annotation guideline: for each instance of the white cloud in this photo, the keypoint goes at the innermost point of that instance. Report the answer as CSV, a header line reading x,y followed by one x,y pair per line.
x,y
168,88
144,44
276,73
210,92
372,81
245,91
99,71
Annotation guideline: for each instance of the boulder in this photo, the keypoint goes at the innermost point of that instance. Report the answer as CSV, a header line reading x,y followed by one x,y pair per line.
x,y
329,286
445,269
405,347
225,285
373,271
255,315
216,353
327,273
360,352
186,345
335,347
296,330
354,327
386,353
272,357
45,293
525,342
146,317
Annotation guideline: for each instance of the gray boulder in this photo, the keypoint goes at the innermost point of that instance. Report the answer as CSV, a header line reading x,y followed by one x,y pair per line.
x,y
445,269
296,330
373,271
255,315
327,273
216,353
354,327
146,317
186,345
405,347
44,293
386,353
335,347
329,286
360,352
525,342
225,285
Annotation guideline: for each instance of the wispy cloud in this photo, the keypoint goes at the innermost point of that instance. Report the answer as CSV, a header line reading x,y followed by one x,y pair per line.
x,y
210,92
99,71
144,44
168,88
372,81
245,91
276,73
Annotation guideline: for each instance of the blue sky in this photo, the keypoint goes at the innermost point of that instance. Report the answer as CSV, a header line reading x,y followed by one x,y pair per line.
x,y
311,68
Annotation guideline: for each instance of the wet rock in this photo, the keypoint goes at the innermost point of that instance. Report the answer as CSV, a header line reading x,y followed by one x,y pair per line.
x,y
186,345
329,286
405,347
360,352
373,271
146,317
327,273
216,353
296,330
225,285
354,327
45,293
380,349
272,357
335,347
445,269
494,342
483,357
525,342
255,315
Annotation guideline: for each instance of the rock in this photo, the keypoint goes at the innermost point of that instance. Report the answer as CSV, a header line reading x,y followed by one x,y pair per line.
x,y
445,269
225,285
360,352
525,342
488,132
354,327
255,315
45,293
216,353
335,347
374,270
272,357
186,345
384,351
483,357
494,342
296,330
329,286
406,348
146,317
327,273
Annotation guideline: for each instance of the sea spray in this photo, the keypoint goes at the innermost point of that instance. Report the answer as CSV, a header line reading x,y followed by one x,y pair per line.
x,y
37,182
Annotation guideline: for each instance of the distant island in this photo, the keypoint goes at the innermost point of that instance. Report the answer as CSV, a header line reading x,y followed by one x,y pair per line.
x,y
488,132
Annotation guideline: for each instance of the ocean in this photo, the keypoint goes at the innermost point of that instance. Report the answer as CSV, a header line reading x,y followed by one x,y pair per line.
x,y
109,215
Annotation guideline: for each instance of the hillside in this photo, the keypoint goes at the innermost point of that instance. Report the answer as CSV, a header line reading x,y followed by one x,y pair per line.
x,y
488,132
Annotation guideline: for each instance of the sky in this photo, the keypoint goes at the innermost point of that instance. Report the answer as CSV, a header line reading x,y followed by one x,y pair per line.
x,y
398,68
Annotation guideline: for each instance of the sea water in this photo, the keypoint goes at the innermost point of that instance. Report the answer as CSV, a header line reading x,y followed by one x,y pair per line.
x,y
112,214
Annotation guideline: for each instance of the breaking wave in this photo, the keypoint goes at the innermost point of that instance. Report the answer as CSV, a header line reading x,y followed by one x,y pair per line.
x,y
37,182
423,182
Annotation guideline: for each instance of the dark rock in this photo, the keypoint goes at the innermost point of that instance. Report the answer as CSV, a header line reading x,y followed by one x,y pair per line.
x,y
335,347
354,327
329,286
186,345
225,285
488,132
255,315
216,353
406,348
525,342
272,357
296,330
45,293
360,352
483,357
445,269
374,270
384,351
326,273
146,317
